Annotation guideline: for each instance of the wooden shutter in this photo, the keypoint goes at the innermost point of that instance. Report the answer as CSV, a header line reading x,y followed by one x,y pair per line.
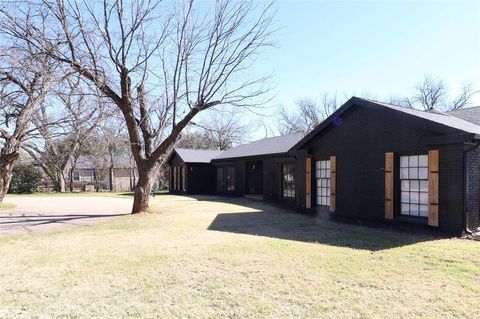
x,y
433,170
389,158
333,183
308,182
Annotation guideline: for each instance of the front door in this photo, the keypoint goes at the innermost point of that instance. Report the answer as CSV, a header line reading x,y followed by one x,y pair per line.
x,y
254,178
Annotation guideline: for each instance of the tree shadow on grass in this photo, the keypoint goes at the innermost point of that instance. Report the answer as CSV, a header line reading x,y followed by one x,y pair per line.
x,y
274,223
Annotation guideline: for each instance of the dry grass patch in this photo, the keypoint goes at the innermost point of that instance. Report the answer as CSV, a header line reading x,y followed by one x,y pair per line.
x,y
6,206
201,257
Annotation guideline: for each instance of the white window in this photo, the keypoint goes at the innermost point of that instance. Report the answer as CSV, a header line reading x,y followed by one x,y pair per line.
x,y
414,185
76,176
322,174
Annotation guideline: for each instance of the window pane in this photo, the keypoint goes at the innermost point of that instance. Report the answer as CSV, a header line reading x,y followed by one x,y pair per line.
x,y
414,197
413,161
413,173
405,197
423,173
414,186
288,184
323,182
424,186
230,179
423,161
424,198
317,165
424,210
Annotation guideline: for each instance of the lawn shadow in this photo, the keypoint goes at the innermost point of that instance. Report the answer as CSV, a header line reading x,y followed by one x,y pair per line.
x,y
271,221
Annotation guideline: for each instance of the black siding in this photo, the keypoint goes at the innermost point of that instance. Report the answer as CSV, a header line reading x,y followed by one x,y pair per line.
x,y
359,142
272,171
200,177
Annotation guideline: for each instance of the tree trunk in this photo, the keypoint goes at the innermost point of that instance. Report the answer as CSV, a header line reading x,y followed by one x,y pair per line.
x,y
71,180
5,178
143,188
8,156
62,188
110,176
59,184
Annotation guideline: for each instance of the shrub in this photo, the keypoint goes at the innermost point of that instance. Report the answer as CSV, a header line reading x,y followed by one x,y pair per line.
x,y
25,179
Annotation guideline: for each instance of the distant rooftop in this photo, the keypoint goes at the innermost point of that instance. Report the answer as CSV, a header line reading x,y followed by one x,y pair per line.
x,y
471,114
266,146
456,119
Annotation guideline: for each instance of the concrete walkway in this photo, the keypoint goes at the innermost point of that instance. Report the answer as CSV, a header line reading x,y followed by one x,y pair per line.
x,y
37,214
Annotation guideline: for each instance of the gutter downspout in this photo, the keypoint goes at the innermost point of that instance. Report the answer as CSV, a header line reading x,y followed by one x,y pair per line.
x,y
465,217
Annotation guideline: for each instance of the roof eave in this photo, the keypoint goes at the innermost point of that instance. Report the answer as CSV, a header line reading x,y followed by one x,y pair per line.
x,y
229,159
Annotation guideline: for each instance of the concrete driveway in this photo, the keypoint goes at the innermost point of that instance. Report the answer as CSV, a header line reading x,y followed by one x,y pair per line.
x,y
37,214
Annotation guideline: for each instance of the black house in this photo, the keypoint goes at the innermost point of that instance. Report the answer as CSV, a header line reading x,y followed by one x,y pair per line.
x,y
262,170
190,171
368,160
377,161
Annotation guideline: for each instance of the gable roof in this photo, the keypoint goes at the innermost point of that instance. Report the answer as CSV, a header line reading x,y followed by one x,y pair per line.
x,y
266,146
440,118
195,156
471,114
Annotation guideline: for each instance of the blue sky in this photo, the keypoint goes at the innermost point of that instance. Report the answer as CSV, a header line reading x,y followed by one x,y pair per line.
x,y
374,48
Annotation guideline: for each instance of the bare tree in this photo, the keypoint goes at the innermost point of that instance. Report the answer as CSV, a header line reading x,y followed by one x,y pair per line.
x,y
24,82
464,98
431,93
159,69
109,141
308,115
76,122
220,131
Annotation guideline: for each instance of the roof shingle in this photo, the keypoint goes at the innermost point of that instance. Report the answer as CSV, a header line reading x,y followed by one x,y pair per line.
x,y
471,114
447,119
266,146
196,156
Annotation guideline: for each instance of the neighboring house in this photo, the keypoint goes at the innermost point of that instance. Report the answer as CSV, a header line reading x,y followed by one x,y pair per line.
x,y
190,171
92,173
370,161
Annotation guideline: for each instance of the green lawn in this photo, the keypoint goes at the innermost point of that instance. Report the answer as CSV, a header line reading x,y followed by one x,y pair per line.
x,y
199,258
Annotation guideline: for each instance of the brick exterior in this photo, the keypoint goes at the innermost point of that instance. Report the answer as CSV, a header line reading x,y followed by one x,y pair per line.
x,y
472,189
359,139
